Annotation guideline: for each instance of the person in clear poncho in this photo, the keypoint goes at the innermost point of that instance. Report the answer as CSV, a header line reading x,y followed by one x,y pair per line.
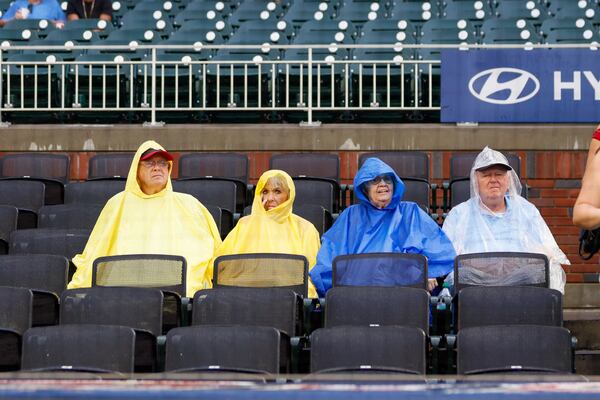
x,y
272,227
149,218
497,219
381,222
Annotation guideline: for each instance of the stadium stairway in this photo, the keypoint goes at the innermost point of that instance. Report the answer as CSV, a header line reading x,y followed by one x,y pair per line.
x,y
581,306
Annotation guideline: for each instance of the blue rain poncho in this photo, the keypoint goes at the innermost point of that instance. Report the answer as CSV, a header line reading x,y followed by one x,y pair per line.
x,y
400,227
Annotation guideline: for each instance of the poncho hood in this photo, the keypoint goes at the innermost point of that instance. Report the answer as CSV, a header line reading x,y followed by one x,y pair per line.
x,y
283,210
132,185
372,168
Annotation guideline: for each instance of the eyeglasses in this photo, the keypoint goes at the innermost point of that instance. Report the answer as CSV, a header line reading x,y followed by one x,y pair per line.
x,y
152,164
385,178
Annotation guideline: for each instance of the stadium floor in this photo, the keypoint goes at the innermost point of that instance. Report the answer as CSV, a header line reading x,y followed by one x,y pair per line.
x,y
72,386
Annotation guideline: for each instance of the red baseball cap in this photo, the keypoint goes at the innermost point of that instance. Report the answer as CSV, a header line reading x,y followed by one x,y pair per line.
x,y
156,152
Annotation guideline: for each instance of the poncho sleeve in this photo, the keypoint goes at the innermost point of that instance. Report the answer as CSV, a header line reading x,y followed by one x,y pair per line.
x,y
427,238
321,273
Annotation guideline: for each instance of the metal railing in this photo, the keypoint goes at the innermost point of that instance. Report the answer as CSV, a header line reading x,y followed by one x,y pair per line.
x,y
151,79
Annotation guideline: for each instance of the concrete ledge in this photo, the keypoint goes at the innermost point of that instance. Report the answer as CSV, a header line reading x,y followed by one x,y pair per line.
x,y
579,314
582,295
281,137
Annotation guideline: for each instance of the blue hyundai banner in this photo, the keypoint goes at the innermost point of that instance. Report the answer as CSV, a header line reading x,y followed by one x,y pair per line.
x,y
540,85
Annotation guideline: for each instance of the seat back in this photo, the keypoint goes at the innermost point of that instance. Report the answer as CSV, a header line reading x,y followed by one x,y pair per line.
x,y
316,165
502,305
109,165
93,192
368,349
368,306
215,165
36,165
138,308
255,349
44,272
514,348
262,270
380,269
103,348
8,223
316,214
218,192
16,305
406,164
159,271
501,269
64,242
318,191
274,307
69,216
23,194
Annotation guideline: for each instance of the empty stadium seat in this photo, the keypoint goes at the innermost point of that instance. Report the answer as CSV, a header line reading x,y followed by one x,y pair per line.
x,y
514,349
381,306
217,192
229,166
93,192
508,305
45,275
27,196
226,349
16,304
69,216
382,349
67,347
109,166
50,169
137,308
8,223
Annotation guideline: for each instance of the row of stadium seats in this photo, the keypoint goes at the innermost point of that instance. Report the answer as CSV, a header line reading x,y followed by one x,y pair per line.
x,y
38,186
349,314
147,31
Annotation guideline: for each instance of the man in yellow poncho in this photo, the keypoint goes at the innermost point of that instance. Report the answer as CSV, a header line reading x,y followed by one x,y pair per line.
x,y
272,228
149,218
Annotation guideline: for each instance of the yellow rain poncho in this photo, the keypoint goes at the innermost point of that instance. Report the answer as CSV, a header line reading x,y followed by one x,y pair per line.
x,y
274,231
167,222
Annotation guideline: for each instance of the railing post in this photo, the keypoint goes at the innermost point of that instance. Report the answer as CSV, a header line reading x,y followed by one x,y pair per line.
x,y
310,121
2,123
153,122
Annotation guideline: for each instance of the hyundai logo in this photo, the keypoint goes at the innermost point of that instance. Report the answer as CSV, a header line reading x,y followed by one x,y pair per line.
x,y
504,86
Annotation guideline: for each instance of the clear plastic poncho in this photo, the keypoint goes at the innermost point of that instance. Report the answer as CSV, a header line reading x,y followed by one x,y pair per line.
x,y
474,228
166,222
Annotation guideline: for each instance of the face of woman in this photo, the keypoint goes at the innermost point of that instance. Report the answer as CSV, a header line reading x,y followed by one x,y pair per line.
x,y
272,196
380,190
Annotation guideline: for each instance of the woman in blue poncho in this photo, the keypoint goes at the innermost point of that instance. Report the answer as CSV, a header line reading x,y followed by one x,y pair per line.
x,y
382,223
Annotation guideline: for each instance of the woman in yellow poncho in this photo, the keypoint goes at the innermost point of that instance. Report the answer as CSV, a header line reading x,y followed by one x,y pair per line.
x,y
149,218
272,228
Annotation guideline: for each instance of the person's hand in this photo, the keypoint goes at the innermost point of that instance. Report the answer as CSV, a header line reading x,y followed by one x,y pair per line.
x,y
22,13
431,284
59,24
